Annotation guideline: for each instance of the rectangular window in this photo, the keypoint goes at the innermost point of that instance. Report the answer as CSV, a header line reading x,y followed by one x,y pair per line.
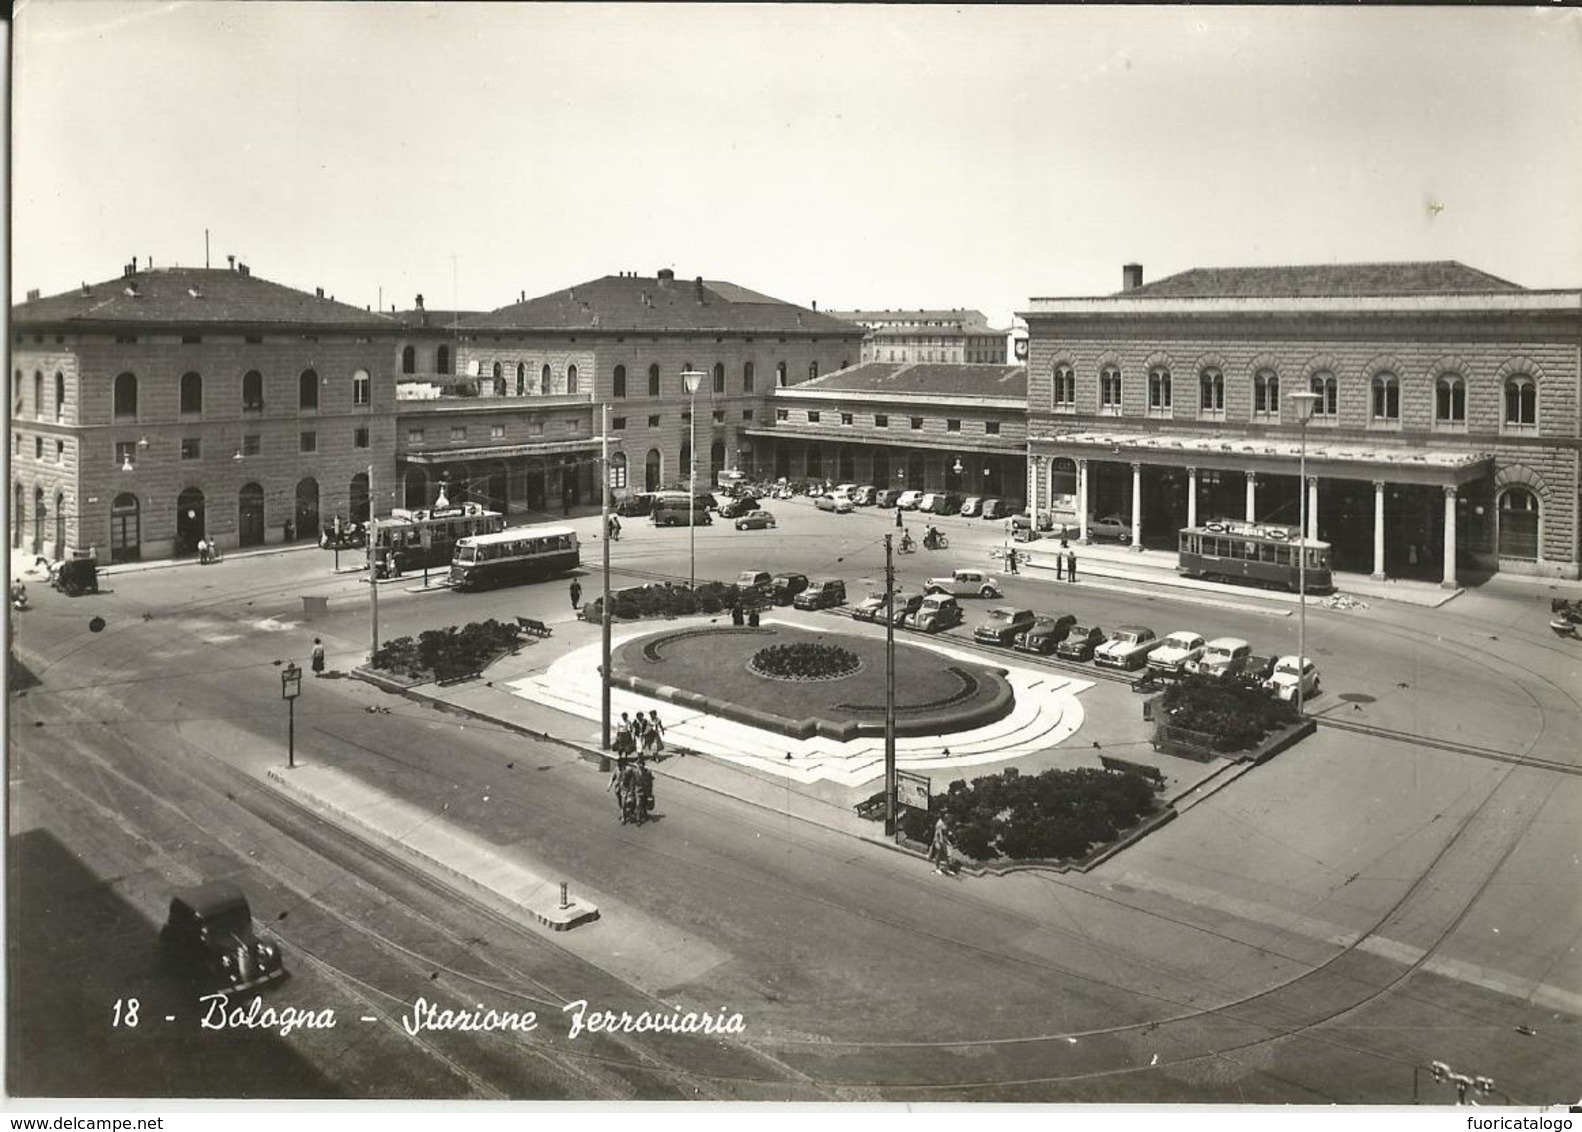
x,y
191,448
362,388
813,416
719,416
845,420
126,453
535,427
782,414
881,420
653,422
458,432
253,339
747,414
952,425
618,423
60,452
917,424
38,448
191,339
686,416
359,438
991,428
251,445
308,442
497,432
572,427
414,436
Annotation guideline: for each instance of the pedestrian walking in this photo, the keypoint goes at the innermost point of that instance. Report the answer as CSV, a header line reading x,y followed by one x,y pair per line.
x,y
1060,567
203,551
318,657
655,736
1010,560
576,594
1071,565
898,521
289,530
623,736
615,528
939,847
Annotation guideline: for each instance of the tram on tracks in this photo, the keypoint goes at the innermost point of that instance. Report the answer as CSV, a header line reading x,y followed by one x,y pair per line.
x,y
1258,554
416,539
513,556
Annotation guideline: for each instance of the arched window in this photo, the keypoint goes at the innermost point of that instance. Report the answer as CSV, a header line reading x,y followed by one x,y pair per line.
x,y
747,377
408,359
1065,388
498,372
308,390
362,388
442,360
1110,391
126,397
38,394
16,396
618,472
1324,384
1386,399
571,381
812,370
1521,402
653,468
1159,392
521,379
653,385
780,376
1266,395
543,382
60,396
191,393
618,382
252,392
1518,514
1450,400
719,377
1211,393
1062,476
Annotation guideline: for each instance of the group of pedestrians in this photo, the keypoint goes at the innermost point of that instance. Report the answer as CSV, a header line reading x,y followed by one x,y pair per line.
x,y
643,736
633,785
1065,563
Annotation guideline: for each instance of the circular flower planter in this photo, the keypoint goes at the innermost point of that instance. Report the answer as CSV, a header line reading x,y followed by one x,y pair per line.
x,y
804,661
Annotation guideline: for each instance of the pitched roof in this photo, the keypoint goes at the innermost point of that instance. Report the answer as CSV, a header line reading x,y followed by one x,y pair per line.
x,y
1314,280
937,379
639,304
193,296
425,318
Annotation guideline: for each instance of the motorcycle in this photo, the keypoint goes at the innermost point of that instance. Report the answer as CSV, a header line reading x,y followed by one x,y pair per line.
x,y
906,546
935,542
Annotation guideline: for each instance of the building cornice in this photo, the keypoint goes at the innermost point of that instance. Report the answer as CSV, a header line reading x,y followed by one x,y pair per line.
x,y
1502,302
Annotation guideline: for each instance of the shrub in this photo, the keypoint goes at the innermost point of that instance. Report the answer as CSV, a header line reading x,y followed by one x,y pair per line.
x,y
805,660
1234,715
448,651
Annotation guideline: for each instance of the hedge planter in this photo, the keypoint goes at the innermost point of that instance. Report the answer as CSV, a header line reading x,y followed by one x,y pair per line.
x,y
1203,718
448,655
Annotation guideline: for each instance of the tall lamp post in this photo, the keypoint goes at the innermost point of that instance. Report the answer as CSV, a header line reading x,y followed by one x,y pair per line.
x,y
690,378
290,689
604,605
1304,404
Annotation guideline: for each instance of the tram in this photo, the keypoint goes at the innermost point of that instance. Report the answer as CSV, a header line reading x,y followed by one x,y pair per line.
x,y
428,538
1260,554
514,555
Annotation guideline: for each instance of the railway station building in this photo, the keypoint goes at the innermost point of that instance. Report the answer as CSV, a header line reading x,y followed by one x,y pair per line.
x,y
1445,435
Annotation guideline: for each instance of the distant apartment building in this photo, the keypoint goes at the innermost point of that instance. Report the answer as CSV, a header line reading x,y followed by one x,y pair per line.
x,y
945,336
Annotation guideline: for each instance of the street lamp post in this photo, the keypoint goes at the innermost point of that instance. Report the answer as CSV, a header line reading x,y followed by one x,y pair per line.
x,y
290,689
690,378
604,606
1304,404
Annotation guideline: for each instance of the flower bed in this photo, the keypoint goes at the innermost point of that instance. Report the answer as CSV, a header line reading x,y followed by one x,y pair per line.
x,y
804,660
665,599
449,653
1053,815
1228,716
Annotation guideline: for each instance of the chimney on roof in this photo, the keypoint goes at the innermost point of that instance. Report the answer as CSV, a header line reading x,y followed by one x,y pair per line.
x,y
420,302
815,304
33,294
319,291
86,290
230,259
700,290
244,269
128,269
665,275
1131,276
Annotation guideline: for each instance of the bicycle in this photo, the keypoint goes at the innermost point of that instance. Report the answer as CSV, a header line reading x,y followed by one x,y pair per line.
x,y
906,546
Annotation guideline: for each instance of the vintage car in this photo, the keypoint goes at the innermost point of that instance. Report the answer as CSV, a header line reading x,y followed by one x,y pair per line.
x,y
209,937
909,499
758,580
1002,625
935,613
739,506
1081,643
1222,658
972,505
1127,648
821,593
901,615
833,501
1287,671
1045,633
755,521
863,496
669,514
1110,526
784,587
1171,656
964,583
872,607
887,496
75,577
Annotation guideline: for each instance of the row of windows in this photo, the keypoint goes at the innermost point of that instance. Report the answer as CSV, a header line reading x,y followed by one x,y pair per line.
x,y
882,420
38,394
38,448
570,427
191,447
190,401
719,380
1519,396
618,424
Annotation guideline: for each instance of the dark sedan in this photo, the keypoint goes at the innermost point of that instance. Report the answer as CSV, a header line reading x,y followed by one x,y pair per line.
x,y
1046,633
1080,642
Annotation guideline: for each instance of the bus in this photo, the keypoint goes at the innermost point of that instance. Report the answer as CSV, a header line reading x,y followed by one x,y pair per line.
x,y
418,539
514,555
1261,554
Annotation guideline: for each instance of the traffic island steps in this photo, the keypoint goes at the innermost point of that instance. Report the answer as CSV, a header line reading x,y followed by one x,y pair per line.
x,y
464,859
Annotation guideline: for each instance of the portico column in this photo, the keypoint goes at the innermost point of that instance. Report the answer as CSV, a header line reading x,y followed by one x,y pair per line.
x,y
1378,530
1082,502
1312,508
1252,497
1449,581
1137,506
1191,497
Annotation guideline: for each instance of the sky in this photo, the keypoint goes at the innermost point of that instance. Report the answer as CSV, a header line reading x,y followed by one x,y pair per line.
x,y
883,156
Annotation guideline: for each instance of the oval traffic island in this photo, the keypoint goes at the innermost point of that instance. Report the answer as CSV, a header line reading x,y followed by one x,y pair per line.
x,y
835,687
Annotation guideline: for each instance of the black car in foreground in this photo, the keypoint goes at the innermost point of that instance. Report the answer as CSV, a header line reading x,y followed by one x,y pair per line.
x,y
1080,642
1046,633
783,588
209,937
